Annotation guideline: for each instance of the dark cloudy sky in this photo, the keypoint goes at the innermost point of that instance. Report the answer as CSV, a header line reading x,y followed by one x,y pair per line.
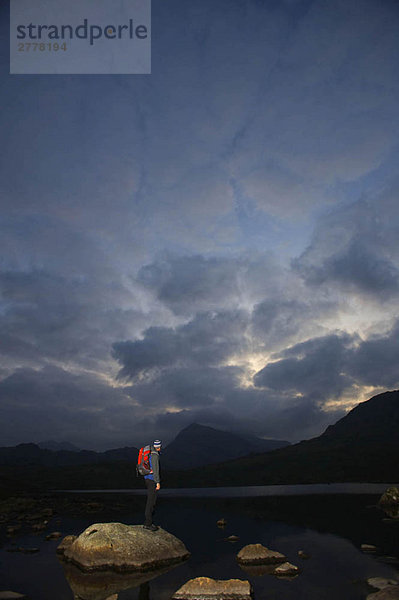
x,y
215,242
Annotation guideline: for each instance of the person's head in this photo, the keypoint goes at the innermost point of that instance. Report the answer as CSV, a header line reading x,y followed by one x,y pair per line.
x,y
157,445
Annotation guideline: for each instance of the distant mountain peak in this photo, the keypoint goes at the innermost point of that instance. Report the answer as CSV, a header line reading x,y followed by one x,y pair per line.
x,y
192,426
197,427
374,417
197,445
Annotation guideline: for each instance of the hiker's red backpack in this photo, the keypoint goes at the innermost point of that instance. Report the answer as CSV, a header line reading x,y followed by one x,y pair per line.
x,y
143,463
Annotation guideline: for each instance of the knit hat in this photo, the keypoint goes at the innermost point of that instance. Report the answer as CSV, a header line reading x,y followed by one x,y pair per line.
x,y
157,444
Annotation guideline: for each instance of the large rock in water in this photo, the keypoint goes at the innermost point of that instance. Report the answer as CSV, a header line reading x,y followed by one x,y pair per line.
x,y
123,548
205,588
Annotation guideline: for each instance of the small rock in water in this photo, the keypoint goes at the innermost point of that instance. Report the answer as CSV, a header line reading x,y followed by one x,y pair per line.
x,y
205,588
380,582
221,523
232,538
368,548
286,569
28,550
54,536
303,555
256,554
8,595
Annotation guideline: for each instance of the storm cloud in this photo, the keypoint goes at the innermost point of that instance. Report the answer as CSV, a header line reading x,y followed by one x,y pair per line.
x,y
209,339
215,242
188,284
354,247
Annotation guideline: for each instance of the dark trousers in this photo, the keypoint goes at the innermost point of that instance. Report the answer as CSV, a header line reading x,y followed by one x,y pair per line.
x,y
151,500
144,592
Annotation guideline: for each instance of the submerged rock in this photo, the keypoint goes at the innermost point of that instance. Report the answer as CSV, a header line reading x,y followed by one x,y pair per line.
x,y
205,588
8,595
119,547
39,526
13,529
256,554
389,560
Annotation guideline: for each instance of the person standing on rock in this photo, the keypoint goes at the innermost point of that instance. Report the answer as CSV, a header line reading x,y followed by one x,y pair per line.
x,y
153,484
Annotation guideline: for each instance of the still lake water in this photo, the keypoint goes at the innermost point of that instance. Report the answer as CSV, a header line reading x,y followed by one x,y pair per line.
x,y
330,527
252,491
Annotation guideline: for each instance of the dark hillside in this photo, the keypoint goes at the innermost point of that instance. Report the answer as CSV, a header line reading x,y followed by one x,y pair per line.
x,y
199,445
362,446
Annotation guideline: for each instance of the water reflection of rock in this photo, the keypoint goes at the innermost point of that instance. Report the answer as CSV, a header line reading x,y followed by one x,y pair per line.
x,y
392,512
101,585
258,570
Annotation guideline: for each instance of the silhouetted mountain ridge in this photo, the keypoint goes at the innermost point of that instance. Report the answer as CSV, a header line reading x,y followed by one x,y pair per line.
x,y
199,445
54,445
32,454
196,445
376,419
362,446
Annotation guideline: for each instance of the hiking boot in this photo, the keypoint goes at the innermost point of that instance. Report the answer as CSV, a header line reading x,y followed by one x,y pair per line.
x,y
151,527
